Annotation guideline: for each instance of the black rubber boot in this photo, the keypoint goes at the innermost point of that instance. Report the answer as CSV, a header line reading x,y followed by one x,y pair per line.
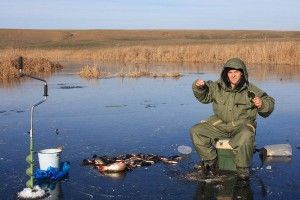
x,y
243,173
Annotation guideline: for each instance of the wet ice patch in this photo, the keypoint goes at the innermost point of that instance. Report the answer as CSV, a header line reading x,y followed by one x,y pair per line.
x,y
116,106
150,106
197,176
71,87
214,179
20,111
35,193
219,187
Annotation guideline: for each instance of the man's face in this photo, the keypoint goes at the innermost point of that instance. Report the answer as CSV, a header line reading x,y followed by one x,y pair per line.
x,y
234,76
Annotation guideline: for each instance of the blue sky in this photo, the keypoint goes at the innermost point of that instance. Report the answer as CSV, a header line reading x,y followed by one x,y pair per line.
x,y
151,14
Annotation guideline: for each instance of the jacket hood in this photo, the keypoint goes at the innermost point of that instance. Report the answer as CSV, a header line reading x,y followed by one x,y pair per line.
x,y
238,64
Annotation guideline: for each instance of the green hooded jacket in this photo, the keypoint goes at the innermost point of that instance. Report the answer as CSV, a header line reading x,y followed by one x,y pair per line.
x,y
233,107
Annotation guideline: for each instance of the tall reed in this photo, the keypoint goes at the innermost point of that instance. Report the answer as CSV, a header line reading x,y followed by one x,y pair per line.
x,y
92,72
9,67
266,52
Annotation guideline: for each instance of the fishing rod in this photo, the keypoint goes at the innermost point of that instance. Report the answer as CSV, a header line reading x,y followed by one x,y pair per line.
x,y
29,158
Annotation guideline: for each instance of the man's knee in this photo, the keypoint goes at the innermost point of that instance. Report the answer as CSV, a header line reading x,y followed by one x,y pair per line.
x,y
193,132
196,130
245,136
248,136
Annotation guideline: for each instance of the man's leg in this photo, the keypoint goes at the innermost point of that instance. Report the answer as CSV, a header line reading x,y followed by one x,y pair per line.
x,y
203,136
243,143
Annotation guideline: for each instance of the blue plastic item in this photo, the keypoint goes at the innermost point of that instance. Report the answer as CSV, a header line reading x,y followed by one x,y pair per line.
x,y
51,172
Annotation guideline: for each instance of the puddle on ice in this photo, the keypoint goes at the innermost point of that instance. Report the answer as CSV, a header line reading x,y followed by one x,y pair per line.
x,y
122,116
71,87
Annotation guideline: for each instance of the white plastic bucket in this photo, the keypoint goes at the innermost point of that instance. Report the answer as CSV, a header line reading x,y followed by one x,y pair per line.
x,y
49,157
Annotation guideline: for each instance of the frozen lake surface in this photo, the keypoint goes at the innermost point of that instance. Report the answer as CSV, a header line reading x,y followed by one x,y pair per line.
x,y
126,115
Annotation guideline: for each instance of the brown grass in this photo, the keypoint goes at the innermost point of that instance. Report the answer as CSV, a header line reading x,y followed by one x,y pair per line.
x,y
9,67
92,72
166,75
267,52
131,72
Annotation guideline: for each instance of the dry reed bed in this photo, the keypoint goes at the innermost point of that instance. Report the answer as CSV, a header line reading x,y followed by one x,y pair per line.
x,y
95,72
37,60
267,52
9,67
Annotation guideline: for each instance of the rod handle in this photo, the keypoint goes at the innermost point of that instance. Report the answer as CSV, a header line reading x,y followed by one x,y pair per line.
x,y
20,62
45,90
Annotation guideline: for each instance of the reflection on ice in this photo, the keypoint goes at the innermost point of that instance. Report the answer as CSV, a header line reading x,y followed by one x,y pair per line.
x,y
53,189
116,175
278,159
222,186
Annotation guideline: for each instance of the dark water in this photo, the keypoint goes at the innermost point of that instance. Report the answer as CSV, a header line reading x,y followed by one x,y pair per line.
x,y
120,116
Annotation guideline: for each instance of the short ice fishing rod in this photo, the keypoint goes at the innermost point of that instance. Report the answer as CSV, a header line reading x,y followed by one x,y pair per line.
x,y
29,158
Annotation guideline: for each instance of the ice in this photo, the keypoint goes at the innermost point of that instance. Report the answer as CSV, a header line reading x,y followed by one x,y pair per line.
x,y
28,193
185,149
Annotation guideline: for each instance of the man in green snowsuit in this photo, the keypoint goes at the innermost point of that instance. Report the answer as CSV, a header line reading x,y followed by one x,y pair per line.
x,y
236,103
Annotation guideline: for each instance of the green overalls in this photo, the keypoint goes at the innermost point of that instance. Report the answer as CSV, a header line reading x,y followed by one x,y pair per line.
x,y
234,115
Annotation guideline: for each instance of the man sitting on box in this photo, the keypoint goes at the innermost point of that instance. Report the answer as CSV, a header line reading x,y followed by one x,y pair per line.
x,y
236,103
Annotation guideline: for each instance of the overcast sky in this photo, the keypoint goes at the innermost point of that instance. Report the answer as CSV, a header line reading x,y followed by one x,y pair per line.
x,y
151,14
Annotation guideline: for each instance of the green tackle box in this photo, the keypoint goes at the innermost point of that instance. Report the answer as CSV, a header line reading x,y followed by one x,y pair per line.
x,y
225,155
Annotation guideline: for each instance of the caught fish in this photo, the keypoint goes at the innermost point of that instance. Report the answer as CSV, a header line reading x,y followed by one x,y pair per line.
x,y
86,162
175,158
170,162
263,156
115,167
128,162
99,161
95,161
